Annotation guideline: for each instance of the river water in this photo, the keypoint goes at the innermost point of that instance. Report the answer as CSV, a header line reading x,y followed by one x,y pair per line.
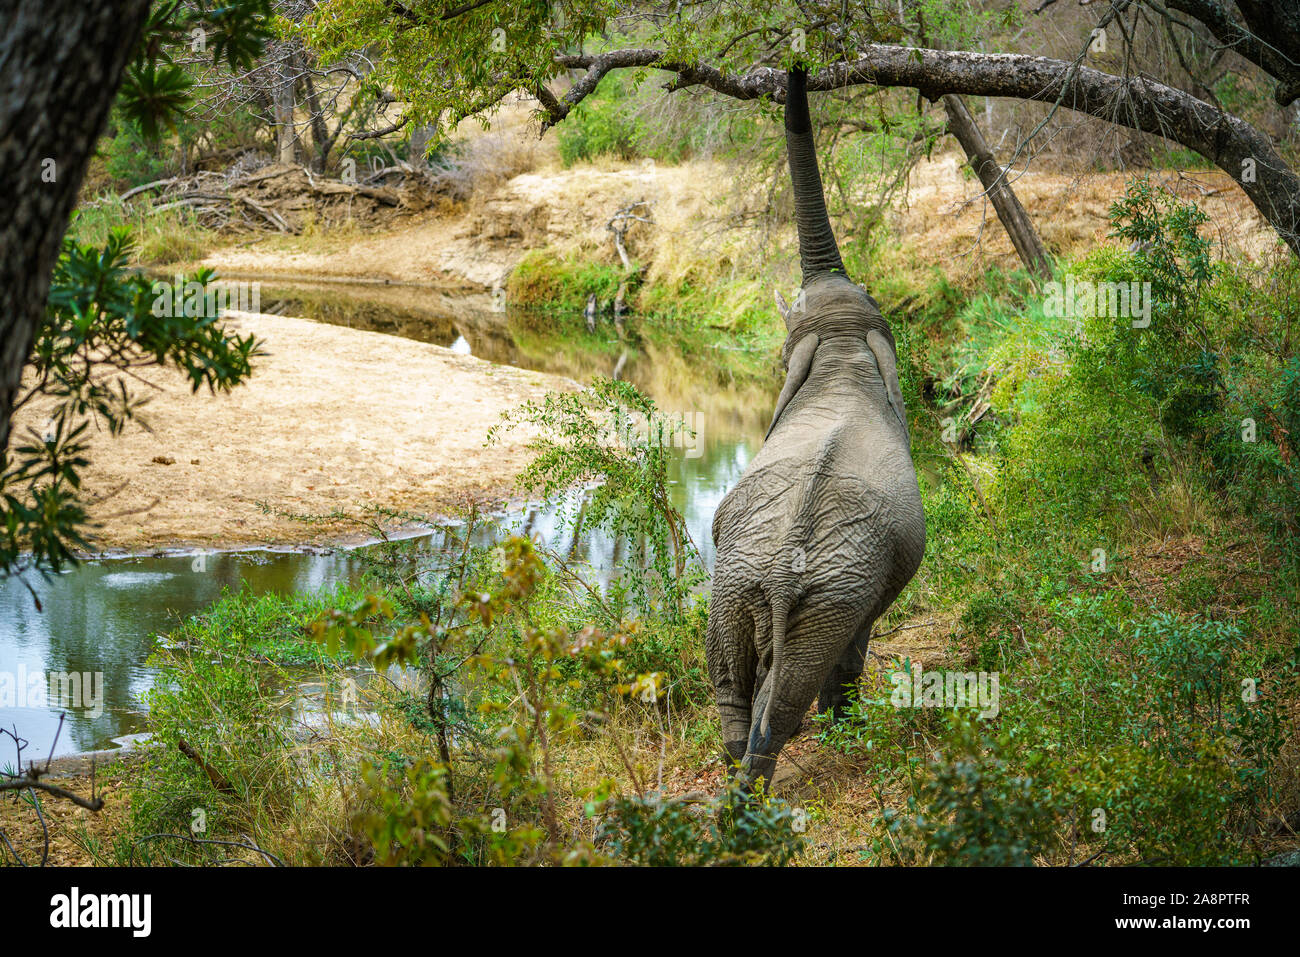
x,y
99,622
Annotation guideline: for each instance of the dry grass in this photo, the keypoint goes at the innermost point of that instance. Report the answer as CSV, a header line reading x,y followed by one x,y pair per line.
x,y
483,160
76,835
944,220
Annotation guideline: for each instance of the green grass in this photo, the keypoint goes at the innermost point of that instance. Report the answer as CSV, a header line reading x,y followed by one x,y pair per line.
x,y
561,284
269,626
172,236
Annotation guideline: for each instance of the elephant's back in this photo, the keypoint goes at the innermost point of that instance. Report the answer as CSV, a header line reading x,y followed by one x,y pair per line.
x,y
755,507
849,496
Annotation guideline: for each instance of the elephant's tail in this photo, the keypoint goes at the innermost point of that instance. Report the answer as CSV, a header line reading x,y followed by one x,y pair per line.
x,y
780,611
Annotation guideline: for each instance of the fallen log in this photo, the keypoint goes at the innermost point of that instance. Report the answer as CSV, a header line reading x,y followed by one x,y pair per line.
x,y
156,184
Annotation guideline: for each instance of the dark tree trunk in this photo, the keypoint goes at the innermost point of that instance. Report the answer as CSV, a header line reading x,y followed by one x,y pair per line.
x,y
60,65
1014,219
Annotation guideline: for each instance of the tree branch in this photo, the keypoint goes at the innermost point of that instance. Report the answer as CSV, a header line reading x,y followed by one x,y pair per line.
x,y
376,134
1247,41
1229,142
23,783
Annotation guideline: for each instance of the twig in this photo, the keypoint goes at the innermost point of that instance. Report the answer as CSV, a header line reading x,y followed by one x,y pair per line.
x,y
1085,863
250,846
146,187
19,784
924,624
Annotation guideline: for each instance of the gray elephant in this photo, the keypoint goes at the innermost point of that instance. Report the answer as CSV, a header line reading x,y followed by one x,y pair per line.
x,y
825,527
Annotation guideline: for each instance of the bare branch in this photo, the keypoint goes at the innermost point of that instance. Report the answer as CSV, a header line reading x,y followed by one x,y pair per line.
x,y
27,781
376,134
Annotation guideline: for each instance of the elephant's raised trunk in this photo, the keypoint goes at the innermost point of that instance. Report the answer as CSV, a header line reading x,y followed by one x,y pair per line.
x,y
818,252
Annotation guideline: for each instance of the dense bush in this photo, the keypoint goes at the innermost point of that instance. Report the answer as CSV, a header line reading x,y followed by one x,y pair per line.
x,y
601,125
1105,419
733,828
1141,720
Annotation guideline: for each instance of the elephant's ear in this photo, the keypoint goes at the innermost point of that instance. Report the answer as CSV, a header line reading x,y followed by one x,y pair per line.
x,y
887,362
801,357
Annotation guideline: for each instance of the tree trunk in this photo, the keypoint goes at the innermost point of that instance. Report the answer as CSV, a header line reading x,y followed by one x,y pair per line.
x,y
60,65
282,100
1014,219
421,137
321,141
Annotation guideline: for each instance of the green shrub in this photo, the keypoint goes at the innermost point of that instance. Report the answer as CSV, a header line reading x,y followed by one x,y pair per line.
x,y
601,125
130,159
1098,404
275,627
542,279
628,120
613,437
989,624
977,805
734,828
1255,448
225,704
890,739
1139,806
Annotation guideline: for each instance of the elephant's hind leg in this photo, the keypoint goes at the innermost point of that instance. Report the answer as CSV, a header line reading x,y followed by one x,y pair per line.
x,y
794,696
834,696
807,661
729,650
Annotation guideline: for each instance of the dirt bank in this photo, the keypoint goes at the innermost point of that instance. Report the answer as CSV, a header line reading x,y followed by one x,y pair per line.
x,y
332,418
946,219
942,220
480,242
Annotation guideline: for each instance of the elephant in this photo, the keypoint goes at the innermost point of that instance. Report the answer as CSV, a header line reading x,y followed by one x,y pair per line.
x,y
825,527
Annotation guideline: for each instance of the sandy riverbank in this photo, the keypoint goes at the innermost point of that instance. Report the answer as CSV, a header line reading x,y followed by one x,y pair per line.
x,y
332,418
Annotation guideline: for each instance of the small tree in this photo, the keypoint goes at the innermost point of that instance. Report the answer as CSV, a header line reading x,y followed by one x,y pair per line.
x,y
612,438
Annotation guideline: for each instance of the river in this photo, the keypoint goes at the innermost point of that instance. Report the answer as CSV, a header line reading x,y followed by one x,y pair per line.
x,y
100,620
